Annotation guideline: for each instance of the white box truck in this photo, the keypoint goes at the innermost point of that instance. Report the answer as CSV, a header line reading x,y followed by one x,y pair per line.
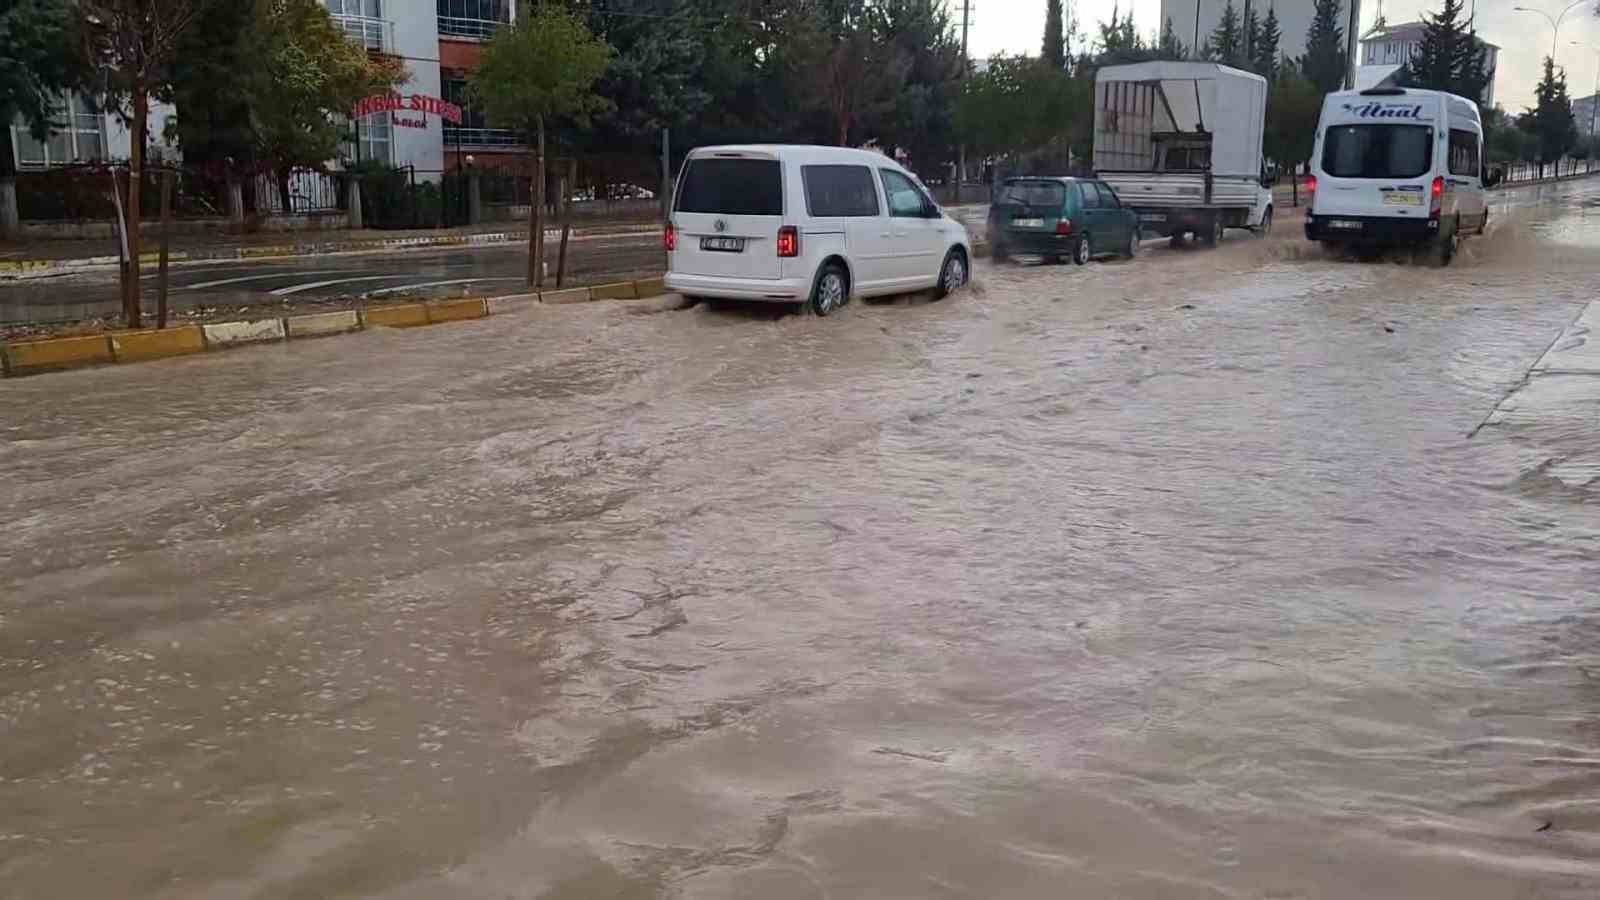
x,y
1180,143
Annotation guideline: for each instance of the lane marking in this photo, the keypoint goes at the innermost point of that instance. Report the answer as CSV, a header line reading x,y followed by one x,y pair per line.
x,y
311,286
220,282
428,284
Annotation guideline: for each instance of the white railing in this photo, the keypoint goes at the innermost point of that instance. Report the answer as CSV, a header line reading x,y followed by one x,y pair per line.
x,y
371,33
481,137
458,26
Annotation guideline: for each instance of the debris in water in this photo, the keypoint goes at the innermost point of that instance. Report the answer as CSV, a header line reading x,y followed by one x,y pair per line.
x,y
1185,306
1545,827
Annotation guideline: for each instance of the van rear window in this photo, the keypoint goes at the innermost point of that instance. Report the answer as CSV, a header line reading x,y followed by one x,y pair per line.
x,y
734,187
1377,151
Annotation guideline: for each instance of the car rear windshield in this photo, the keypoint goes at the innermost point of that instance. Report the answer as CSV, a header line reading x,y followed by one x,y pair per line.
x,y
1377,151
1033,193
733,187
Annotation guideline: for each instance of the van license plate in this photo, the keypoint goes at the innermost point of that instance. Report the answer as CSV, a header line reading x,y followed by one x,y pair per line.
x,y
722,244
1345,224
1402,198
1027,223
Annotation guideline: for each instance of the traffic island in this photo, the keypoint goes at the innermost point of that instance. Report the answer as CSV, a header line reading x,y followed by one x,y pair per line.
x,y
34,355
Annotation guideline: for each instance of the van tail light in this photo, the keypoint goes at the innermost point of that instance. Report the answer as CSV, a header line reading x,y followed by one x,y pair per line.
x,y
670,237
1311,185
1064,226
788,241
1437,195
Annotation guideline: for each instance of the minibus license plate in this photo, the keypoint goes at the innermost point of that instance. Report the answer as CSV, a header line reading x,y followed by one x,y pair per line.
x,y
1403,198
722,244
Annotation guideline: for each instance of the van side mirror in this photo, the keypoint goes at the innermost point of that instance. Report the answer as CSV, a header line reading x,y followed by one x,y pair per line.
x,y
1491,177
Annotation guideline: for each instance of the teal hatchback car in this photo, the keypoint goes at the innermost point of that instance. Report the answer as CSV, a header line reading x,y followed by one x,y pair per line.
x,y
1060,219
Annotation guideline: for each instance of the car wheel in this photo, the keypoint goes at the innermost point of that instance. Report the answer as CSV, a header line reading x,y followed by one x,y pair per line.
x,y
1080,250
1000,252
1265,228
953,274
832,290
1132,250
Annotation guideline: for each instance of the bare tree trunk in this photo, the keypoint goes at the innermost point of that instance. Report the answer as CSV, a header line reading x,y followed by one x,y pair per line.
x,y
536,231
141,101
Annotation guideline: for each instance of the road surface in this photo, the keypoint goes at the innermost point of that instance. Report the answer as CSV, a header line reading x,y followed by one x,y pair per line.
x,y
1197,576
490,271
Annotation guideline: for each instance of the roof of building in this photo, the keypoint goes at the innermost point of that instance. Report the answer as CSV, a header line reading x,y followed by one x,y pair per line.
x,y
1407,31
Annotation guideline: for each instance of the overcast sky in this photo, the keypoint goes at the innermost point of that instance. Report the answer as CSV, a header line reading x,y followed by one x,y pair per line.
x,y
1017,26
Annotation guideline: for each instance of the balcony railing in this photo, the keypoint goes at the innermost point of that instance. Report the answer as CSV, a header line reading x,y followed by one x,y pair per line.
x,y
371,33
458,26
482,137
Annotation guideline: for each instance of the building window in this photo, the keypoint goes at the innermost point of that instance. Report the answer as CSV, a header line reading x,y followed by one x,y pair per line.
x,y
78,136
474,130
472,18
374,139
362,20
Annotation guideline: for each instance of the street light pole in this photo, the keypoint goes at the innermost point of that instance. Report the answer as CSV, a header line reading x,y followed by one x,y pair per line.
x,y
1594,100
1555,22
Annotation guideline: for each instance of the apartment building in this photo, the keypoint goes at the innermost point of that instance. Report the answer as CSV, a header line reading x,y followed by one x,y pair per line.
x,y
1384,51
429,123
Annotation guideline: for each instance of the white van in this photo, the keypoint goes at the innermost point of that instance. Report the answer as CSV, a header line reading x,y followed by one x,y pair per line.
x,y
810,225
1397,166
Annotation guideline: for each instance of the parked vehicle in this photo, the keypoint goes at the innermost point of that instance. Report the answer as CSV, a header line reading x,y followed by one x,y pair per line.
x,y
1060,219
1398,167
809,225
1180,142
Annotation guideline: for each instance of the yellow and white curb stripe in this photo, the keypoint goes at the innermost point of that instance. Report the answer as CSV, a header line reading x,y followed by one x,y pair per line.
x,y
30,357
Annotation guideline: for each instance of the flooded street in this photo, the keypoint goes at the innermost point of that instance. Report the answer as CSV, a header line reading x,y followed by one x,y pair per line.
x,y
1189,577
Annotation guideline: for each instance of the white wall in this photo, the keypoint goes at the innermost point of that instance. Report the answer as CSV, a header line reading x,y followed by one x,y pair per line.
x,y
416,41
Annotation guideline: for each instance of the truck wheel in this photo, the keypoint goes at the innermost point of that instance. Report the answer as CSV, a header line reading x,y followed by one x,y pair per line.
x,y
1265,228
1212,236
1175,241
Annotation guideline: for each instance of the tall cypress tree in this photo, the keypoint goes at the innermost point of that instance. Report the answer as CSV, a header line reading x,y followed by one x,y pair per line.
x,y
1433,65
1227,39
1251,34
1324,59
1171,46
1265,62
1055,38
1552,123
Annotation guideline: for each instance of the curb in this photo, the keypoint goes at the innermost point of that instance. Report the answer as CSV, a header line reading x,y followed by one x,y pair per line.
x,y
32,357
17,270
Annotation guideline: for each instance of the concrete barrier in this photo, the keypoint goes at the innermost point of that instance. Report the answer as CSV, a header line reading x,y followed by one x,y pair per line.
x,y
621,290
229,334
320,324
137,346
649,287
409,315
570,295
511,303
28,357
457,310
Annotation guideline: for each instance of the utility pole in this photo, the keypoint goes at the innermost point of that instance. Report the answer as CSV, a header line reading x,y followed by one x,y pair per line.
x,y
1350,35
966,65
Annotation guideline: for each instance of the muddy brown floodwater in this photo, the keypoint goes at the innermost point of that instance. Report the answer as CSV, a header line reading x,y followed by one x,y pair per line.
x,y
1173,579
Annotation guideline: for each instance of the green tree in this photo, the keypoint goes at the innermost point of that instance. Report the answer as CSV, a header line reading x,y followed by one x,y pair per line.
x,y
917,120
1251,29
1021,105
1551,122
1055,38
1120,41
1227,39
1170,46
1325,58
216,77
1293,106
134,42
1265,59
39,63
657,78
310,75
543,67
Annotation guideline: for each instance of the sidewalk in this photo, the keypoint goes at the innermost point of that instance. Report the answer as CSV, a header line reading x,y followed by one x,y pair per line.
x,y
45,258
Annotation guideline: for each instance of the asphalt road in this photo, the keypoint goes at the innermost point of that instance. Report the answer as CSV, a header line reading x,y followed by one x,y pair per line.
x,y
485,271
1206,575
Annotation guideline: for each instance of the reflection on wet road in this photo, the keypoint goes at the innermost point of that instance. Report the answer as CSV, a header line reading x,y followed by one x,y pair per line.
x,y
1173,578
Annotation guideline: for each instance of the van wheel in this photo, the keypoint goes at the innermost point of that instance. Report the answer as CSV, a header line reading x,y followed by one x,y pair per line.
x,y
1444,250
1080,250
953,274
832,290
1483,223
